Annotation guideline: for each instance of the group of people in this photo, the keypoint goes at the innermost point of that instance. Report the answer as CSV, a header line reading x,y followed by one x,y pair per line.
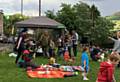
x,y
99,54
45,45
68,42
26,45
107,68
116,47
65,42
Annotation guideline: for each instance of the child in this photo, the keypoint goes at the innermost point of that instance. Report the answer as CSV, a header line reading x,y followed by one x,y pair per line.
x,y
39,51
51,48
66,56
60,46
106,71
85,63
27,56
52,61
26,60
68,43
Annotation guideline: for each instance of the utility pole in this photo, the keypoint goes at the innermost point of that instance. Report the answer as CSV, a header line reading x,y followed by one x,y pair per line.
x,y
21,7
39,7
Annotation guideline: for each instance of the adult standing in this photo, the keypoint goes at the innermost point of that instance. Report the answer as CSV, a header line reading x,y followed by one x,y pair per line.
x,y
60,45
116,47
20,44
74,42
45,43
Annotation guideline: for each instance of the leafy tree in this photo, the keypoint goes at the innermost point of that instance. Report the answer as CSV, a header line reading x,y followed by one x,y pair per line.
x,y
100,32
66,16
94,12
50,14
9,22
82,21
85,20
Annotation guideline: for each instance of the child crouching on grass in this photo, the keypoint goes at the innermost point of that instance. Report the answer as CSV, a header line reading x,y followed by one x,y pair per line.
x,y
106,71
85,63
27,56
26,60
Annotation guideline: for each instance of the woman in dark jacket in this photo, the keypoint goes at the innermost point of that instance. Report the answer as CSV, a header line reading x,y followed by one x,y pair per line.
x,y
20,44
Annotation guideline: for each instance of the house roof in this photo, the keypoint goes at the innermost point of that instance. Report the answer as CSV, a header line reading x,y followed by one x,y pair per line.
x,y
39,22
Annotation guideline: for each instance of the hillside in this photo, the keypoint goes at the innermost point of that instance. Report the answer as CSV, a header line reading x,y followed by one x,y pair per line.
x,y
115,16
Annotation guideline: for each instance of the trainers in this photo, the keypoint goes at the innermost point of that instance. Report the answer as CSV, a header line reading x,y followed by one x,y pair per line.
x,y
85,78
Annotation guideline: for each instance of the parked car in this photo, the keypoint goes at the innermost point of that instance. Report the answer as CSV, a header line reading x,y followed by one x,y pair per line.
x,y
3,39
10,39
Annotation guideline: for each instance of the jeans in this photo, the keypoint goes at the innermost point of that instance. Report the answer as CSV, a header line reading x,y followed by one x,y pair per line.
x,y
75,50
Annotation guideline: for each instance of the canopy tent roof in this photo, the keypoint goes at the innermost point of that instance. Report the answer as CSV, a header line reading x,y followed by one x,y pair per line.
x,y
39,22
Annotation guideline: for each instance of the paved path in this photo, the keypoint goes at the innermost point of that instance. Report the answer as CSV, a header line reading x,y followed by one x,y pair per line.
x,y
6,46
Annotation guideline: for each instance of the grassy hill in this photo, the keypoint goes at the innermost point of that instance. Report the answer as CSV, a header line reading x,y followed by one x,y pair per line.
x,y
115,18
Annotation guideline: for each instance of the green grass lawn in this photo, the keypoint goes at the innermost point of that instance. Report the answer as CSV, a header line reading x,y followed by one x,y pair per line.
x,y
9,72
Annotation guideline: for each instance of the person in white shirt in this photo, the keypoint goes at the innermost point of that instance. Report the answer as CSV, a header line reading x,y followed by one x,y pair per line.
x,y
74,42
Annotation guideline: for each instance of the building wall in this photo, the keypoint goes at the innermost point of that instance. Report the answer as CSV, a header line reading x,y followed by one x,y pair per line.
x,y
1,22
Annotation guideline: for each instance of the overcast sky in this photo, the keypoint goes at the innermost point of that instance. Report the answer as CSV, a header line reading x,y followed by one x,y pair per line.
x,y
106,7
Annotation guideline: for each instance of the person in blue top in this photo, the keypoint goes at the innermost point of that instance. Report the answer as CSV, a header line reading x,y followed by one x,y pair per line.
x,y
85,63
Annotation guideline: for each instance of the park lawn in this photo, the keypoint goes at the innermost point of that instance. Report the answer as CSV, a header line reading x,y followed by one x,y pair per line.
x,y
9,72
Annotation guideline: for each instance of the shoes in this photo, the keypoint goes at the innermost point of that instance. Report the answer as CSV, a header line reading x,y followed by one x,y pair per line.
x,y
85,78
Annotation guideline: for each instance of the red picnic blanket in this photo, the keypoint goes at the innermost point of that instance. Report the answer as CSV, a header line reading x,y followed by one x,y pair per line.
x,y
48,74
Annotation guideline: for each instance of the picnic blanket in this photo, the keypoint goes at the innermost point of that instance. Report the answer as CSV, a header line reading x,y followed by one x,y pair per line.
x,y
45,74
49,74
72,68
52,72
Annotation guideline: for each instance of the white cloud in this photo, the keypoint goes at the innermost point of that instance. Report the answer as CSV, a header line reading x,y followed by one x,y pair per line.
x,y
6,1
31,6
31,13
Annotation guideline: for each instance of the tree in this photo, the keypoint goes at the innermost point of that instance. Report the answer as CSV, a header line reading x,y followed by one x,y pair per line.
x,y
94,12
101,30
50,14
85,20
67,16
82,21
9,22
